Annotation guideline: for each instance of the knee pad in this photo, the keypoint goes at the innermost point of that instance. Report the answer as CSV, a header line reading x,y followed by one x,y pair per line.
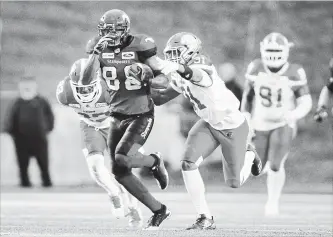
x,y
188,165
274,167
233,183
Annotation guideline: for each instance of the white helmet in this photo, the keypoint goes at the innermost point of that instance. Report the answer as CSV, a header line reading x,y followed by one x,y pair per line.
x,y
84,93
274,50
182,48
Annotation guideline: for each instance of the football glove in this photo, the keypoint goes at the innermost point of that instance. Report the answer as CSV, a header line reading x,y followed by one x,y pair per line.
x,y
101,45
320,115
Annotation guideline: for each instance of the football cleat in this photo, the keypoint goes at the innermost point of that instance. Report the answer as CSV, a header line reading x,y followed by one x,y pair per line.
x,y
118,209
159,171
135,217
257,165
203,223
156,220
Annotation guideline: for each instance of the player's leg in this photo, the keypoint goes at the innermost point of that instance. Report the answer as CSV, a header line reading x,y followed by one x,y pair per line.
x,y
261,142
42,157
237,160
280,144
117,145
133,210
95,144
200,143
127,152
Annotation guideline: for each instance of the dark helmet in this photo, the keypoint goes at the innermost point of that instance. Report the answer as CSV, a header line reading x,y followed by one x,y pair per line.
x,y
114,24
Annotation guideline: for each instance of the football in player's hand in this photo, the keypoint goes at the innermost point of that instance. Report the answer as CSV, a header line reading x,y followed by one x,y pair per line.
x,y
141,72
159,82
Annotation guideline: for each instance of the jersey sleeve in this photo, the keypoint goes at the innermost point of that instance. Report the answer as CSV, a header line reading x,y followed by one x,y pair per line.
x,y
91,44
175,82
146,48
61,92
299,82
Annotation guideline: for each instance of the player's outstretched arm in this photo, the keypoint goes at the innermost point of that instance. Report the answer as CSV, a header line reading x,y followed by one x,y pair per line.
x,y
247,99
324,98
90,69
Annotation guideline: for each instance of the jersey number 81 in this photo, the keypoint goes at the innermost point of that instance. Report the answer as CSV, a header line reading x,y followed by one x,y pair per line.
x,y
110,76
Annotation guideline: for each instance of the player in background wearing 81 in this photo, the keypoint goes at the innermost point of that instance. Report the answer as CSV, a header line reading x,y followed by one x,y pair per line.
x,y
221,125
90,103
272,86
114,51
326,95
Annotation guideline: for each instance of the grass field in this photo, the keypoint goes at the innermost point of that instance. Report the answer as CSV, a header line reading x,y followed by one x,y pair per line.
x,y
236,214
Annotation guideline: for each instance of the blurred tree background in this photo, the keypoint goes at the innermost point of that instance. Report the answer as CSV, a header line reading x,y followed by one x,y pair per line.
x,y
45,38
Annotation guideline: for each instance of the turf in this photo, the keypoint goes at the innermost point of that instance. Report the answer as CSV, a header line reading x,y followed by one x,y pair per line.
x,y
88,214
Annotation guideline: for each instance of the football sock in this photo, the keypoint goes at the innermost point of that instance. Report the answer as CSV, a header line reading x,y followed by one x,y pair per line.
x,y
135,187
101,175
275,183
246,169
129,200
196,190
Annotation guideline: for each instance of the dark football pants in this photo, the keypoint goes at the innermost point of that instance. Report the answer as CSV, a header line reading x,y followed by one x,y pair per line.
x,y
24,151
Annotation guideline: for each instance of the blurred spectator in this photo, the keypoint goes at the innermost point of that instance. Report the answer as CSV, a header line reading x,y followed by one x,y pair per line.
x,y
227,72
29,120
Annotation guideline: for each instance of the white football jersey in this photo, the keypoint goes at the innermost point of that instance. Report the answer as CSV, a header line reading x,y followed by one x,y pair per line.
x,y
95,113
211,99
275,93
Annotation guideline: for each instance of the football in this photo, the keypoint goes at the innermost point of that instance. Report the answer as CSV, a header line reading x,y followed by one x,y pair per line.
x,y
141,72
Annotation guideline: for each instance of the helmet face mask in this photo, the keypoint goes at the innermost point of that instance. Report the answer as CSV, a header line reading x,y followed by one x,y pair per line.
x,y
182,48
114,24
274,50
84,93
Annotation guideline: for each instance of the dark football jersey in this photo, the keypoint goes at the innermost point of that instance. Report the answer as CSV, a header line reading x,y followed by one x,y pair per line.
x,y
127,95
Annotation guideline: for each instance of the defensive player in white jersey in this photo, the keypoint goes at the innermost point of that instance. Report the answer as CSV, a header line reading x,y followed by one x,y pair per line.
x,y
276,95
221,123
90,103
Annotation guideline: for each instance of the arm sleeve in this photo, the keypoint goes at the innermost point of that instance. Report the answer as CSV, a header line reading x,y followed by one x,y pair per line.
x,y
301,86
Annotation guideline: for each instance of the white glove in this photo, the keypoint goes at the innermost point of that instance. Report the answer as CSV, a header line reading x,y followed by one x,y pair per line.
x,y
169,67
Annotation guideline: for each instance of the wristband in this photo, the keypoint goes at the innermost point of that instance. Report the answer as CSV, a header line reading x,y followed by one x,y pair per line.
x,y
188,72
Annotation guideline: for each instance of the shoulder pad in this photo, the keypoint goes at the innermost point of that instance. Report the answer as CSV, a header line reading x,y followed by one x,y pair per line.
x,y
296,72
91,44
62,91
255,67
143,42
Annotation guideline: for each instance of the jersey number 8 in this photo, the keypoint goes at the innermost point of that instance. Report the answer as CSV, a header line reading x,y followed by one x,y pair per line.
x,y
267,97
110,76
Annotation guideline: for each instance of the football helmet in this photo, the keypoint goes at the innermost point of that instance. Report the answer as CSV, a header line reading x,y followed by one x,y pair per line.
x,y
274,50
182,48
84,93
114,24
